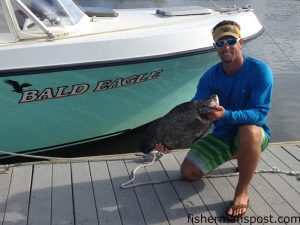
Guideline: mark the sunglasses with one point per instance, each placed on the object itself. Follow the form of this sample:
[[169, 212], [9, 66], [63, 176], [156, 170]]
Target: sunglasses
[[230, 42]]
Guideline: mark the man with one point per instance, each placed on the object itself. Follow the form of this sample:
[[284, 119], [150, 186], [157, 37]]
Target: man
[[244, 88]]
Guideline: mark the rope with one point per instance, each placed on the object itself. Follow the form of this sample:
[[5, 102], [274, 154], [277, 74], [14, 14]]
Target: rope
[[152, 157], [33, 156], [271, 170], [5, 168], [155, 155], [286, 55]]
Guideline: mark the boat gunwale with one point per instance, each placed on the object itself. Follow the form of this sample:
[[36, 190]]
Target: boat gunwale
[[99, 64]]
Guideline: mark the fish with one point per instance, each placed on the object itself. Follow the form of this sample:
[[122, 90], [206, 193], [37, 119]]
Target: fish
[[180, 127]]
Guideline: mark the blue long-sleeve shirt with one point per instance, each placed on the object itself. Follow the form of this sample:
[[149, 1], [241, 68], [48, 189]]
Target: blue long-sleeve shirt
[[245, 95]]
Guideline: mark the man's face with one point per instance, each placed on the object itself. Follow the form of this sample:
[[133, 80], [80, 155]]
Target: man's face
[[228, 48]]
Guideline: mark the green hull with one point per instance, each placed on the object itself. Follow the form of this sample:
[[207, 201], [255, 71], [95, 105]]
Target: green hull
[[64, 107]]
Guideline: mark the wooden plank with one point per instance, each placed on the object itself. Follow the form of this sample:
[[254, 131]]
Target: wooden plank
[[270, 195], [62, 200], [168, 197], [4, 188], [225, 189], [293, 150], [128, 205], [273, 161], [286, 158], [211, 198], [40, 199], [84, 201], [18, 197], [281, 186], [186, 191], [148, 200], [257, 203], [108, 212]]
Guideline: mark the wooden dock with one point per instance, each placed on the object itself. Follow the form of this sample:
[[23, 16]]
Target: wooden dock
[[89, 193]]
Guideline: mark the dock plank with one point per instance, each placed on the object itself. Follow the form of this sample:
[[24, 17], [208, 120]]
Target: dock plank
[[282, 187], [4, 188], [84, 201], [167, 195], [293, 150], [128, 204], [270, 194], [258, 205], [18, 197], [147, 197], [90, 192], [211, 198], [290, 161], [225, 189], [188, 195], [62, 195], [107, 208], [40, 198], [270, 159]]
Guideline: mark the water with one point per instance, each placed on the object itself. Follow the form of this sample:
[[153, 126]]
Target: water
[[279, 46]]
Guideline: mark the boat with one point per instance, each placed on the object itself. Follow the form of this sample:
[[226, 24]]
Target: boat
[[71, 75]]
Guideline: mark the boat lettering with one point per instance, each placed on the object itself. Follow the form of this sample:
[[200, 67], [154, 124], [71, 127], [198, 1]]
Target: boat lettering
[[48, 93], [79, 89], [61, 92], [120, 82]]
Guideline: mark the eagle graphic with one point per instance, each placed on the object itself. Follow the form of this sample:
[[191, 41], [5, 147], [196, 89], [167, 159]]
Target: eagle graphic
[[17, 87]]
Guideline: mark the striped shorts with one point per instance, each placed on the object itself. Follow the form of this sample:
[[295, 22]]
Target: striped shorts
[[210, 152]]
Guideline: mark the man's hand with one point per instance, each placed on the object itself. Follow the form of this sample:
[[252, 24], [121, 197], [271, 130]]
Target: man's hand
[[161, 148], [217, 114]]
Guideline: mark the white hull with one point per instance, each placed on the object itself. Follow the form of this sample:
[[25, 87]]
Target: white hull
[[134, 34], [71, 85]]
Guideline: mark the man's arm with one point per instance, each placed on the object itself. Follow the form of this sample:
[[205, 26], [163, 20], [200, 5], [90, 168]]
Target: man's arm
[[203, 88], [260, 101]]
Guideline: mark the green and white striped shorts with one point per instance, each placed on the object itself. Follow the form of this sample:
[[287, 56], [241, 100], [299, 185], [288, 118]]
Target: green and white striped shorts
[[210, 152]]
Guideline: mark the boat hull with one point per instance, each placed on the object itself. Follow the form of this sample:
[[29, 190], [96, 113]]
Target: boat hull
[[70, 106]]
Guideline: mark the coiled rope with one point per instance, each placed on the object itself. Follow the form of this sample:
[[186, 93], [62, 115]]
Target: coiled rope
[[155, 155]]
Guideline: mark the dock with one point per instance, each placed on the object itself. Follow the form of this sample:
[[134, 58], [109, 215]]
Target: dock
[[89, 192]]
